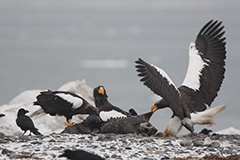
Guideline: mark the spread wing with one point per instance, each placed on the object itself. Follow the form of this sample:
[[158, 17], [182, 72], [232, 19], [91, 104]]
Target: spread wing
[[58, 102], [159, 82], [206, 67]]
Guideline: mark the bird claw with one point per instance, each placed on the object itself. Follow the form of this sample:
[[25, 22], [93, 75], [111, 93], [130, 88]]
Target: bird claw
[[68, 124]]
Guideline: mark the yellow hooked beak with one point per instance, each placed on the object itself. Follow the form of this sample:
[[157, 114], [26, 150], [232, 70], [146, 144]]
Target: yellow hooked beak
[[101, 91], [154, 108]]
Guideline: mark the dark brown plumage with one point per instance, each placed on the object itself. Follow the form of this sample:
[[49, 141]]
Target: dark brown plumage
[[106, 109], [64, 103]]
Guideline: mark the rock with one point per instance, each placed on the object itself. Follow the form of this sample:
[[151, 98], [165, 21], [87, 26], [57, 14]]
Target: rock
[[198, 143], [186, 143], [3, 141], [6, 152], [101, 138], [52, 140], [214, 145], [114, 156], [128, 148], [24, 138], [36, 142]]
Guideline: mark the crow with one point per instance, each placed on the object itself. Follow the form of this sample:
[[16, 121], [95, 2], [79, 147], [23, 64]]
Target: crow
[[80, 155], [25, 123]]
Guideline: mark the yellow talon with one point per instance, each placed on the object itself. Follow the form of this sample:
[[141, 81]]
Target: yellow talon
[[68, 124], [154, 108], [164, 134], [101, 91]]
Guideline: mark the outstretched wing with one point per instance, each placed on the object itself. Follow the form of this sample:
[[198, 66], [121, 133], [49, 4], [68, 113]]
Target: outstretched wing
[[57, 103], [159, 82], [206, 67]]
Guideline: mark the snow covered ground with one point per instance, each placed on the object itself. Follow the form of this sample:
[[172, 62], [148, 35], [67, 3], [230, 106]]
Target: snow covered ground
[[121, 147]]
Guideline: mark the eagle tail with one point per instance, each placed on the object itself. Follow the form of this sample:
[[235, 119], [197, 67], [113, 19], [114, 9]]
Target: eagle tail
[[40, 111], [207, 116]]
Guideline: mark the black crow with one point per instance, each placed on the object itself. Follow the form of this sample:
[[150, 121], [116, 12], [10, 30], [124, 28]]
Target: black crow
[[80, 155], [25, 123]]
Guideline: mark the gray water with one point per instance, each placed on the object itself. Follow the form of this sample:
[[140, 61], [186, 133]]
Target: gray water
[[44, 44]]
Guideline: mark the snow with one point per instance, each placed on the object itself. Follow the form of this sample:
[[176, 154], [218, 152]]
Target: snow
[[45, 123], [229, 131]]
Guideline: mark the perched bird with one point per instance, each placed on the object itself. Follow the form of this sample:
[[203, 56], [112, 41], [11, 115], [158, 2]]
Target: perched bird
[[80, 155], [203, 80], [26, 123], [65, 104], [2, 115], [106, 109], [205, 131]]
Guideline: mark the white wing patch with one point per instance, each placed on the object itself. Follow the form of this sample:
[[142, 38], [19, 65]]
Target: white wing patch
[[164, 74], [106, 115], [195, 66], [77, 102]]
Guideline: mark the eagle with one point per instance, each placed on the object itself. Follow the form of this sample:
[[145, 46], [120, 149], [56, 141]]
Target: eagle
[[203, 80]]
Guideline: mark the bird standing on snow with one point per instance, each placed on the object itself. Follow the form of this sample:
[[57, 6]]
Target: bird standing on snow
[[203, 80], [80, 155], [25, 123], [106, 109], [64, 104]]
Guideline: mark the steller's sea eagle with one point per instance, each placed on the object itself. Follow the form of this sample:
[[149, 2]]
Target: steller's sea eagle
[[203, 80], [106, 109], [65, 104]]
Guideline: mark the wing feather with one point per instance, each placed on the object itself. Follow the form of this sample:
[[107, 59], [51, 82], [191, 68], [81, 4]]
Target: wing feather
[[159, 82], [210, 47]]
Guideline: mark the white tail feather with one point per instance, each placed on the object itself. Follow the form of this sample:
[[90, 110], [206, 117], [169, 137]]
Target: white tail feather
[[207, 116], [37, 112]]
